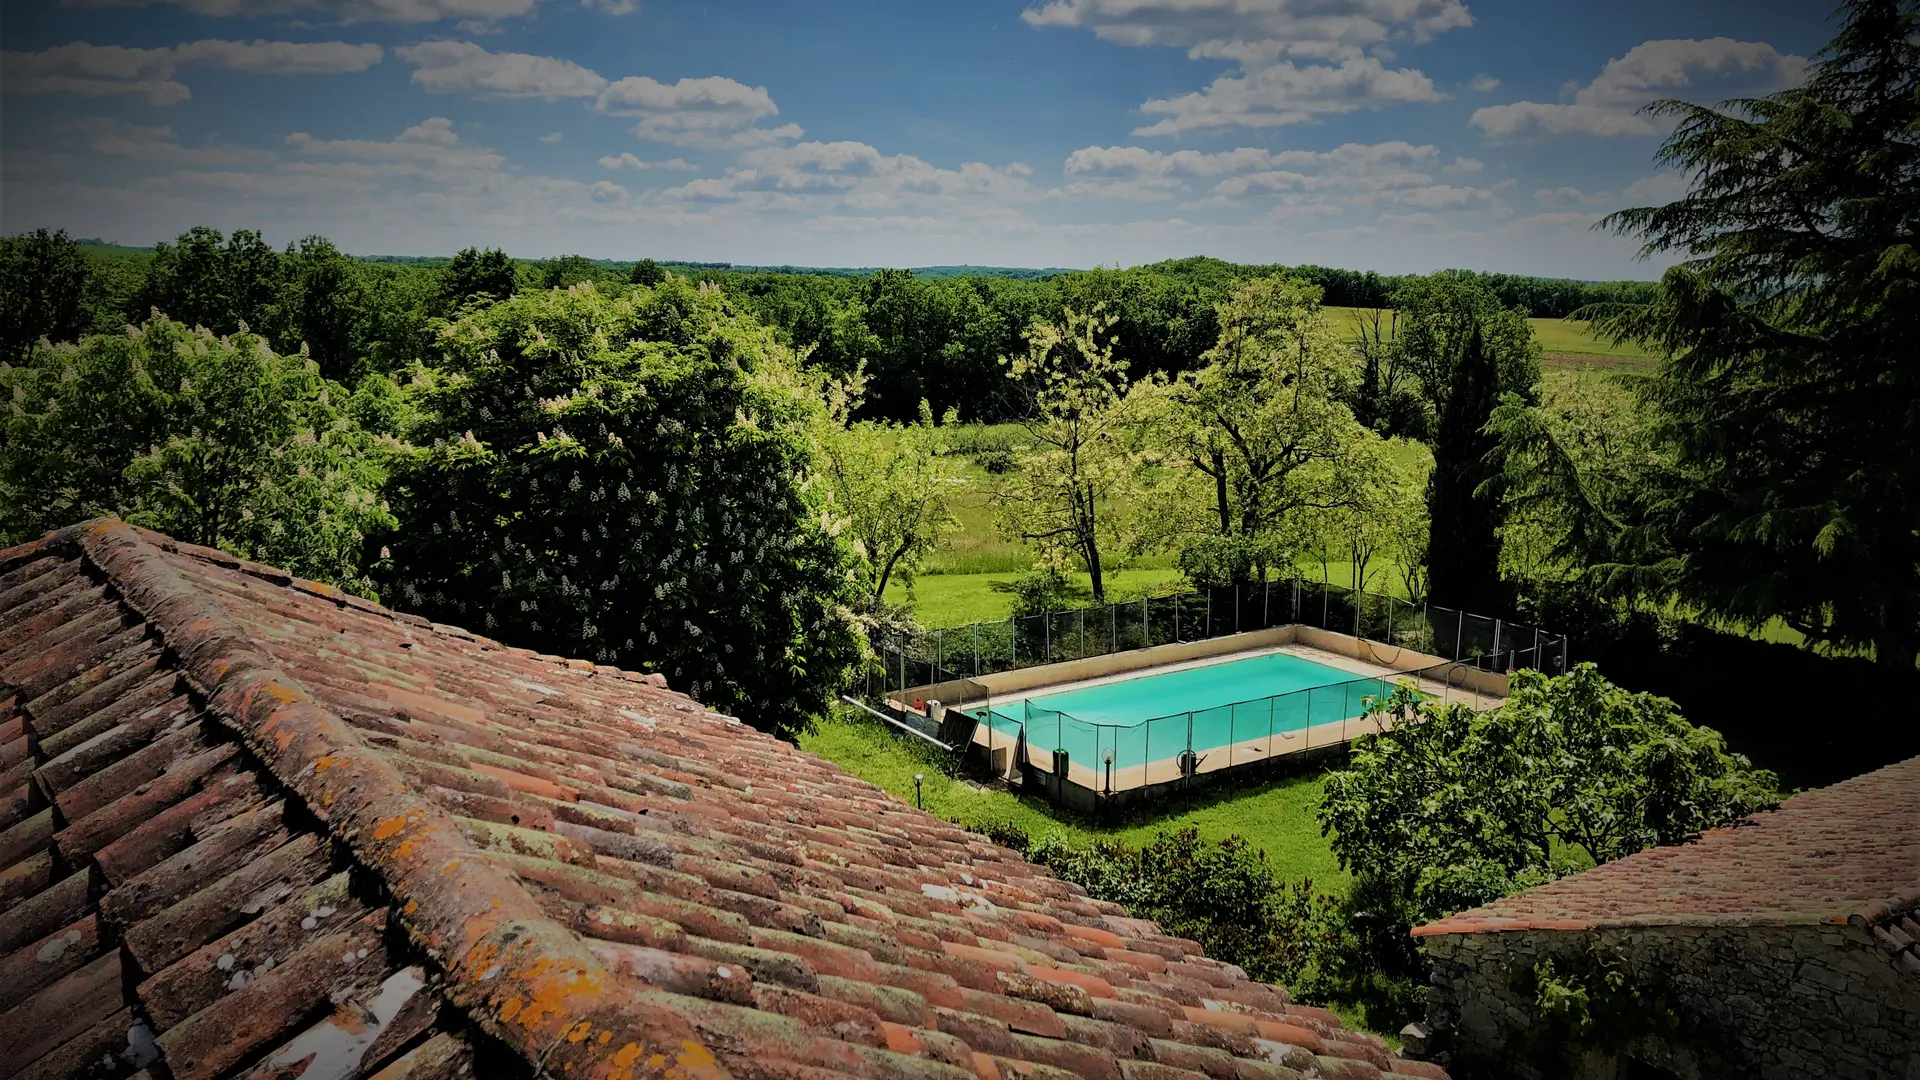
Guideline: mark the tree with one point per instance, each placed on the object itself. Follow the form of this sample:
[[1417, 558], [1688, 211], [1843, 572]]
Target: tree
[[204, 279], [893, 485], [569, 270], [323, 308], [647, 272], [216, 441], [1788, 395], [629, 479], [1575, 469], [1261, 425], [1449, 808], [1061, 495], [43, 284], [1467, 351], [476, 276]]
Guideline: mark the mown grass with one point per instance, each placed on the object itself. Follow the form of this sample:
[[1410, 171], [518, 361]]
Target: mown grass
[[1556, 336], [1277, 816]]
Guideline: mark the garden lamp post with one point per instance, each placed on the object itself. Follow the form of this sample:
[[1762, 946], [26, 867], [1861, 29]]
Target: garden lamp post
[[1107, 757], [917, 777]]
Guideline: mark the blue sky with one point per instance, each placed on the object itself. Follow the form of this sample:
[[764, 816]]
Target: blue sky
[[1397, 135]]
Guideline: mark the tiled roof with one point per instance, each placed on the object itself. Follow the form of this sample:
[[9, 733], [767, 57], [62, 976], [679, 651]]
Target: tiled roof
[[1850, 852], [250, 826]]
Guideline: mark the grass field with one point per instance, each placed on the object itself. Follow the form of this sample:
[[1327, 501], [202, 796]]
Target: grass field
[[1276, 817]]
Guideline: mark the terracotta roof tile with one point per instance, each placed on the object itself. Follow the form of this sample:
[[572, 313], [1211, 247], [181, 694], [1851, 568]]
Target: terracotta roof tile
[[248, 823], [1850, 852]]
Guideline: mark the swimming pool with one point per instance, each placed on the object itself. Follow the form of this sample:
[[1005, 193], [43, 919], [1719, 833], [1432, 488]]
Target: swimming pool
[[1243, 708]]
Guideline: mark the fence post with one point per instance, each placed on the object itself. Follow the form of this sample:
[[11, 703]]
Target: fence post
[[1236, 607], [1356, 618], [939, 656], [1176, 617], [1269, 748], [1538, 662], [1309, 693], [1563, 654], [1496, 645], [1046, 633], [1459, 635], [1113, 634], [1389, 617], [1207, 632], [1296, 598], [1266, 605], [1083, 632]]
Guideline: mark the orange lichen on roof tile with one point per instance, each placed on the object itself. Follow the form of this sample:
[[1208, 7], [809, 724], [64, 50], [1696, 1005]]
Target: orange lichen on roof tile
[[608, 878]]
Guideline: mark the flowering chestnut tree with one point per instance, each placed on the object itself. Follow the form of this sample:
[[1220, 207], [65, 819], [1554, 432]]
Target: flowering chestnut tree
[[628, 478]]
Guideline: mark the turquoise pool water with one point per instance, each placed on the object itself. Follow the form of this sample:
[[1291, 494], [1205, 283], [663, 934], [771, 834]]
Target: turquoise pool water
[[1153, 717]]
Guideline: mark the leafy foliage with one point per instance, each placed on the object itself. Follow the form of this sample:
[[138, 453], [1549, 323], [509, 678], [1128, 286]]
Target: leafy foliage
[[217, 441], [894, 485], [1451, 808], [1061, 497], [1223, 895], [205, 279], [1467, 352], [43, 284], [476, 276], [627, 478], [1788, 398], [1262, 431]]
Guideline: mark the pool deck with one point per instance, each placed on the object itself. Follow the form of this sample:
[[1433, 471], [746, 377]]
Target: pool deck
[[1244, 752]]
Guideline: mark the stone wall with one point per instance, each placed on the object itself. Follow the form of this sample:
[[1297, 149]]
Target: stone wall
[[1777, 1002]]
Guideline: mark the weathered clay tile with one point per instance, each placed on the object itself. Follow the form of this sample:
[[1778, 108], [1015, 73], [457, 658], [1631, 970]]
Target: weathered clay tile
[[298, 828]]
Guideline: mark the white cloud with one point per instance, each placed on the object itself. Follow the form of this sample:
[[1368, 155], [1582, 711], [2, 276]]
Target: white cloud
[[611, 7], [629, 161], [835, 177], [1484, 83], [1464, 166], [279, 57], [1254, 31], [116, 138], [1285, 94], [111, 70], [606, 191], [1571, 196], [712, 111], [1608, 107], [480, 12], [552, 137], [461, 67], [1656, 190]]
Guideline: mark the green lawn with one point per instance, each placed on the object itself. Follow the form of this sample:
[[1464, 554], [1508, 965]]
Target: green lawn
[[1277, 817], [1566, 343], [958, 599]]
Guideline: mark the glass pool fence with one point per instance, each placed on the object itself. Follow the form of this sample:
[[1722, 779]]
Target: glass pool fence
[[903, 661], [1114, 757]]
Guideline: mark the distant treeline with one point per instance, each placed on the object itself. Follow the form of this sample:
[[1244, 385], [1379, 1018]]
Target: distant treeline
[[936, 333]]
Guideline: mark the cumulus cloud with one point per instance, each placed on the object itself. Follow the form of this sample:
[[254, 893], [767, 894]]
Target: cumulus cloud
[[148, 143], [1608, 107], [712, 111], [852, 176], [111, 70], [1283, 93], [1656, 190], [461, 67], [552, 137], [1464, 166], [1571, 196], [476, 12], [1252, 31], [629, 161], [1485, 83]]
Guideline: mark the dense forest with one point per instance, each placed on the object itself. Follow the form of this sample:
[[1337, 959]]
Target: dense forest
[[936, 333]]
